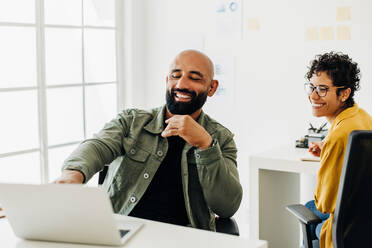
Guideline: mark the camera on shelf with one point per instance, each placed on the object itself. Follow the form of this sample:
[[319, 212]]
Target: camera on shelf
[[314, 135]]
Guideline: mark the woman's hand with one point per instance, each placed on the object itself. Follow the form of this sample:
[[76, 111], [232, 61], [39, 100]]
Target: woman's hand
[[315, 148]]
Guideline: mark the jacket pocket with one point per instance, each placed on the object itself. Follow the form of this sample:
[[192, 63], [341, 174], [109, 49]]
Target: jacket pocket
[[131, 167], [137, 154]]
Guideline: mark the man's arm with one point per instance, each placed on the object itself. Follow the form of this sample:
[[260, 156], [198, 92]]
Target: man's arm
[[90, 157], [219, 177], [70, 176]]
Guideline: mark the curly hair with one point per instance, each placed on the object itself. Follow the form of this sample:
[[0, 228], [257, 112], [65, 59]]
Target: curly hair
[[341, 69]]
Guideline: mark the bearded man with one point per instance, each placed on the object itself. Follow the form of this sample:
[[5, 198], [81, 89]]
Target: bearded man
[[172, 164]]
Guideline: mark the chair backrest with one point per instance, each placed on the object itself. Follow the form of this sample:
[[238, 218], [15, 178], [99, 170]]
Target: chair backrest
[[352, 221]]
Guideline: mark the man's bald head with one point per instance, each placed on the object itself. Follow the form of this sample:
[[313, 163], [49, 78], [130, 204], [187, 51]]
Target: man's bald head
[[195, 61]]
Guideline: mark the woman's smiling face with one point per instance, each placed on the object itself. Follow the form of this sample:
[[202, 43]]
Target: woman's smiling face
[[329, 105]]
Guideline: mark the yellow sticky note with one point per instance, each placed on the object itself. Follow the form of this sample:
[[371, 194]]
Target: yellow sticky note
[[326, 33], [343, 14], [253, 24], [312, 33], [343, 33]]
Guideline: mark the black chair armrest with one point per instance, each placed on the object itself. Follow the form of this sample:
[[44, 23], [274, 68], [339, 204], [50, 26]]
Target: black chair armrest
[[303, 214], [102, 175], [227, 225], [306, 218]]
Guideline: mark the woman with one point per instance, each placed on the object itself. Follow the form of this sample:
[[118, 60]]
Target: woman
[[333, 79]]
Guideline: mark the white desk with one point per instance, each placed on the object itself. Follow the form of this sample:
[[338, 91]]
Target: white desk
[[276, 177], [152, 234]]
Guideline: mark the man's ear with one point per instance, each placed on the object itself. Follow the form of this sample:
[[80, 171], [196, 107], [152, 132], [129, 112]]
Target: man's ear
[[213, 88], [166, 79]]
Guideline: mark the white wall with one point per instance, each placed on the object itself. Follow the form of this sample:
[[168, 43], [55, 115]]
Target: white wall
[[270, 107]]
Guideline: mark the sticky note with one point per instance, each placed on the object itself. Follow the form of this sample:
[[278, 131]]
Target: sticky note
[[343, 33], [343, 14], [253, 24], [312, 33], [326, 33]]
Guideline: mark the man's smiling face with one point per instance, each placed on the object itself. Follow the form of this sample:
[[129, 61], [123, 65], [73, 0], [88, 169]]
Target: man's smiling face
[[189, 82]]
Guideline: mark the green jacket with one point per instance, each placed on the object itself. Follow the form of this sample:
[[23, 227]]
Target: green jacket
[[134, 148]]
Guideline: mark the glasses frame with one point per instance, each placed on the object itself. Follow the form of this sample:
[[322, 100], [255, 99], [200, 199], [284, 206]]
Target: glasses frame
[[316, 88]]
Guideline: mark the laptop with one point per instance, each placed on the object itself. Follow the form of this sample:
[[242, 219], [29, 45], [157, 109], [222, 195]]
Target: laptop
[[64, 213]]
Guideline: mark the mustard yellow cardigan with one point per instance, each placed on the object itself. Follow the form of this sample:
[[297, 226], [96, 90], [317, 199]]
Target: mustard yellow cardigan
[[332, 157]]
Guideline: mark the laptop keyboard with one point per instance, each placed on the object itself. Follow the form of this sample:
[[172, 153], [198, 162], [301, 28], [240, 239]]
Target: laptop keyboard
[[123, 233]]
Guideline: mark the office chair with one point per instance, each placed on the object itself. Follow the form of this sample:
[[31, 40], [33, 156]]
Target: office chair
[[223, 225], [352, 220]]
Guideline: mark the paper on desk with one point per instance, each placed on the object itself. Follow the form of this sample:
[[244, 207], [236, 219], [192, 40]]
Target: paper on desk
[[310, 158]]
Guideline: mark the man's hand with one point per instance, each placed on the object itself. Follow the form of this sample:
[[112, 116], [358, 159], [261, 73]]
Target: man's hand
[[187, 128], [315, 148], [70, 176]]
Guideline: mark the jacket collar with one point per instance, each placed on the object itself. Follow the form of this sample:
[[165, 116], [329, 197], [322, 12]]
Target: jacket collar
[[347, 113], [156, 125]]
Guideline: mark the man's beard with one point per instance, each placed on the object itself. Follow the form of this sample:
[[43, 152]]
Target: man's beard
[[185, 108]]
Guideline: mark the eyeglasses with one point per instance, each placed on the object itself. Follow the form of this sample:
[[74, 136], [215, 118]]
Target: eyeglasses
[[320, 89]]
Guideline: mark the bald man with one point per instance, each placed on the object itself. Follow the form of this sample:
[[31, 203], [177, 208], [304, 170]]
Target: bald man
[[172, 164]]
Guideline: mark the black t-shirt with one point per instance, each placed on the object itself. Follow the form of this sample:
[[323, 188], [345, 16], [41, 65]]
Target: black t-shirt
[[163, 200]]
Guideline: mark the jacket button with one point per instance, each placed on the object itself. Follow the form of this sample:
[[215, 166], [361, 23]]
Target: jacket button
[[197, 155], [132, 199], [132, 151], [146, 175], [159, 153]]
